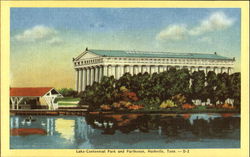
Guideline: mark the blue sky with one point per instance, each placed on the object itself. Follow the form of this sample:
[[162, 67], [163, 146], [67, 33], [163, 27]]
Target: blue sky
[[53, 36]]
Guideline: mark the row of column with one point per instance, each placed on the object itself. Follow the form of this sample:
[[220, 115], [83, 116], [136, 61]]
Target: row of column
[[87, 75]]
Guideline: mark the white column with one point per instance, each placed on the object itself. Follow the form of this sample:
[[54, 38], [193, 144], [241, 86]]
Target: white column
[[165, 68], [88, 76], [96, 73], [116, 71], [109, 70], [229, 71], [211, 69], [113, 71], [126, 69], [92, 75], [139, 69], [84, 79], [77, 80], [17, 105], [144, 69], [206, 70], [80, 80], [131, 70], [148, 69], [215, 70], [100, 73], [169, 67], [157, 69], [161, 69], [224, 69], [135, 69], [121, 69], [201, 69], [105, 70], [193, 69], [152, 69], [196, 69]]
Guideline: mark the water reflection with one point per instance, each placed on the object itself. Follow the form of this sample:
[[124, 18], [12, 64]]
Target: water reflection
[[127, 130], [200, 125]]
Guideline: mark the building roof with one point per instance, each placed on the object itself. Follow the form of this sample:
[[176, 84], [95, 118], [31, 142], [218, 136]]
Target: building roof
[[30, 91], [123, 53]]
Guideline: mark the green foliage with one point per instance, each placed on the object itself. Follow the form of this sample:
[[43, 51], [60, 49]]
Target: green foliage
[[151, 90], [99, 93], [221, 92], [234, 88], [68, 92], [198, 84], [179, 99]]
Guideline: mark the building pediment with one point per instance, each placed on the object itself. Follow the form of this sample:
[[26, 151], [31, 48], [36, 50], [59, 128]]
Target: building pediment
[[86, 55]]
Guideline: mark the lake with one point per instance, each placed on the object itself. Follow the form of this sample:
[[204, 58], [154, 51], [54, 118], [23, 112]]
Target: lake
[[126, 131]]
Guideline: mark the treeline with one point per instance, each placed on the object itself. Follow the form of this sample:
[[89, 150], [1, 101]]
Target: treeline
[[152, 90], [68, 92]]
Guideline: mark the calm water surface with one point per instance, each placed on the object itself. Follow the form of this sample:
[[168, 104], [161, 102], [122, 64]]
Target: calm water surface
[[128, 131]]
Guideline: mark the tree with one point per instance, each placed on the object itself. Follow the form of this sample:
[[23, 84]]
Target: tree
[[198, 84], [68, 92], [221, 91], [234, 90], [211, 86], [100, 93]]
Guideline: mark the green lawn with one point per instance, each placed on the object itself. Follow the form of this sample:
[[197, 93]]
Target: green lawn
[[67, 101]]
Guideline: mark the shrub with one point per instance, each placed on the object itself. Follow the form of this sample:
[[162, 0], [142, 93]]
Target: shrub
[[68, 92], [227, 106], [105, 107], [129, 96], [168, 104], [187, 106], [179, 99], [135, 107], [123, 89], [116, 105]]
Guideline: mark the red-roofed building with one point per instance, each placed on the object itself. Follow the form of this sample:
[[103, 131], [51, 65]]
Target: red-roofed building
[[34, 97]]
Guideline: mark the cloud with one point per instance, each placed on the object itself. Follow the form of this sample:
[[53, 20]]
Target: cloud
[[173, 32], [39, 33], [36, 33], [216, 21]]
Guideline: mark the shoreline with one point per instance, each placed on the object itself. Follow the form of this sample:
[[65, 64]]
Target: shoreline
[[164, 112], [83, 112]]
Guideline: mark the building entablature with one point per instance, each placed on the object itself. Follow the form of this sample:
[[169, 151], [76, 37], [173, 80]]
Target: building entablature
[[151, 61]]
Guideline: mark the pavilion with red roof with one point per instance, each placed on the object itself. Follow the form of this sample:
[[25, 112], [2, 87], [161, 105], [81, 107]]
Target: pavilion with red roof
[[42, 96]]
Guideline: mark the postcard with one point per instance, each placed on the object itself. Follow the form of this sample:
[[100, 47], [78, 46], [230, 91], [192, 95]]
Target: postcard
[[141, 78]]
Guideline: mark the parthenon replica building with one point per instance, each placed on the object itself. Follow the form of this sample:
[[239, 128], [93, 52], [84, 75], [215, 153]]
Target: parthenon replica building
[[92, 64]]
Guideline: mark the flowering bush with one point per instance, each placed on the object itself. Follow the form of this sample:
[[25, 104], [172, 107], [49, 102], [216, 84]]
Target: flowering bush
[[123, 89], [116, 105], [187, 106], [135, 107], [129, 96], [105, 107], [168, 104], [227, 106]]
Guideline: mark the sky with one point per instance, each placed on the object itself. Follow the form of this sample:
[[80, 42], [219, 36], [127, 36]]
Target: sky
[[44, 40]]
